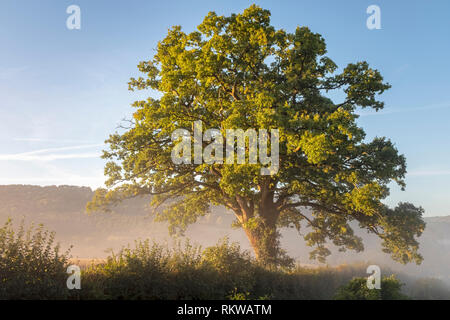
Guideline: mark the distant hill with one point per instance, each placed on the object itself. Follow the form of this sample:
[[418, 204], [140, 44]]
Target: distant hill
[[62, 209]]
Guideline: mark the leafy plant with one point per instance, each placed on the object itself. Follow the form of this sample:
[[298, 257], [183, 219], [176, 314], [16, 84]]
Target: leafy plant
[[31, 265], [357, 289]]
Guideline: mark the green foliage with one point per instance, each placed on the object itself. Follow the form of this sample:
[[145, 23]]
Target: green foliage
[[238, 71], [227, 258], [152, 271], [223, 271], [31, 265], [357, 290]]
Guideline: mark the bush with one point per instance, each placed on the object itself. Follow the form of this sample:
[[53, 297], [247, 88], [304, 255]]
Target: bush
[[357, 289], [152, 271], [142, 272], [31, 265], [223, 271]]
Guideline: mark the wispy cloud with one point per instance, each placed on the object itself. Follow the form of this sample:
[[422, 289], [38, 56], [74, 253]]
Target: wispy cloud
[[49, 154], [52, 140]]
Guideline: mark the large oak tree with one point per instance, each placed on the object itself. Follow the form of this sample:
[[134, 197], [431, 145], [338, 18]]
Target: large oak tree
[[241, 72]]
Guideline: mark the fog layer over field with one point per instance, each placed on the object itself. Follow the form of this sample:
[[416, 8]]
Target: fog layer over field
[[62, 209]]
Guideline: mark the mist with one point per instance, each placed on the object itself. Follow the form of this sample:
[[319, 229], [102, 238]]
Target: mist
[[94, 236]]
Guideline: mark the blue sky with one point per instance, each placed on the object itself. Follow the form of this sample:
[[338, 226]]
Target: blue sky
[[62, 92]]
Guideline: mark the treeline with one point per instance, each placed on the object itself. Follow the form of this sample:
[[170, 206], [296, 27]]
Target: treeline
[[62, 208], [23, 199]]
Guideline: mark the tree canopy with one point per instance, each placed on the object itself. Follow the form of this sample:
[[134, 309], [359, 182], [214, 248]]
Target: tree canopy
[[239, 71]]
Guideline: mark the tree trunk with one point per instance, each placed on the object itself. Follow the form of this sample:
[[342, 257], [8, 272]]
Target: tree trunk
[[260, 225], [263, 236], [264, 241]]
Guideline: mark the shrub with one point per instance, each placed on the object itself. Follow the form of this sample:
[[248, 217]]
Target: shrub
[[224, 271], [31, 265], [147, 271], [357, 289]]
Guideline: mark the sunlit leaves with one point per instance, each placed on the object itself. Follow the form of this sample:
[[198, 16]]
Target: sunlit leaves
[[239, 72]]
